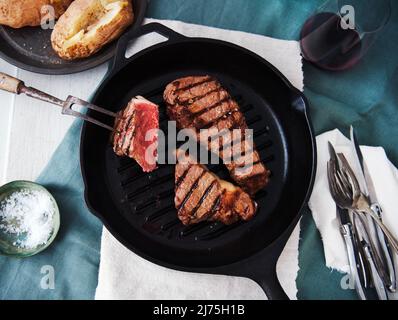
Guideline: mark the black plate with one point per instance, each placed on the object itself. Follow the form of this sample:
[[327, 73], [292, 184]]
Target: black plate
[[30, 48], [138, 208]]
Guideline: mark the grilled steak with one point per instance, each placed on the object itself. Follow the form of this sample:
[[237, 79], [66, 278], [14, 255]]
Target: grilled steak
[[132, 125], [200, 195], [201, 102]]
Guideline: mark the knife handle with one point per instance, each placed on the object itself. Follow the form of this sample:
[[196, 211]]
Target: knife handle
[[364, 268], [386, 250], [377, 281], [346, 231]]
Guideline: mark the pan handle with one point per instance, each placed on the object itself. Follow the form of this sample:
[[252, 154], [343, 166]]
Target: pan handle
[[154, 27], [261, 267], [271, 286]]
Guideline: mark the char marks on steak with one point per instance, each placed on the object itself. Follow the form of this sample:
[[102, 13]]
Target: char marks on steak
[[200, 195], [139, 118], [200, 102]]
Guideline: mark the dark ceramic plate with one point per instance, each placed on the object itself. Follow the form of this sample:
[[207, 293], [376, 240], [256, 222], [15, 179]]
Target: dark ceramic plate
[[30, 48]]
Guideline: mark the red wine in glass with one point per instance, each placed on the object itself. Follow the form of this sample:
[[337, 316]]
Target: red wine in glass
[[327, 45]]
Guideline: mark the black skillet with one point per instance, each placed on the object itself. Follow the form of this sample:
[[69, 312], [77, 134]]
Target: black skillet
[[30, 48], [138, 208]]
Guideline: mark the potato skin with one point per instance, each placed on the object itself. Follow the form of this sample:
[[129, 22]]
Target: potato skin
[[22, 13], [103, 35]]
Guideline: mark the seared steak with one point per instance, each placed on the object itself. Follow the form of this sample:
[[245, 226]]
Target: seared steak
[[139, 118], [202, 103], [200, 195]]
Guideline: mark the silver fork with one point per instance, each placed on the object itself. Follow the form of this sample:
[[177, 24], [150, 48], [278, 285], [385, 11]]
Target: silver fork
[[341, 188], [347, 194], [13, 85]]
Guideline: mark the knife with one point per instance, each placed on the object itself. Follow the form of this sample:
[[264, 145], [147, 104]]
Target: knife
[[346, 232], [364, 240], [363, 265], [377, 281], [368, 189]]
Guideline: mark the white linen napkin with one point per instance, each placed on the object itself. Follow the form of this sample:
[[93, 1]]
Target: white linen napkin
[[385, 180], [124, 275]]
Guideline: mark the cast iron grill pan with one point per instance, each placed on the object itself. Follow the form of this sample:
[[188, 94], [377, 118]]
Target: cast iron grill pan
[[138, 208], [148, 199]]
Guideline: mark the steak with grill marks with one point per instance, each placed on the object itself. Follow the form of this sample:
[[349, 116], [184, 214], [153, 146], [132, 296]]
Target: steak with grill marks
[[200, 102], [200, 195], [133, 136]]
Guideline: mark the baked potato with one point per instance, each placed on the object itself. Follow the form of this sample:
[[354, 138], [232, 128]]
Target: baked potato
[[88, 25], [22, 13]]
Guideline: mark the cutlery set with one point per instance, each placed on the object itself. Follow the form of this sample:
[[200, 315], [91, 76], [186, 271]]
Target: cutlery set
[[370, 245]]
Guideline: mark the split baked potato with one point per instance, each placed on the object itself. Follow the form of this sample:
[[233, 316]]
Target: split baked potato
[[22, 13], [88, 25]]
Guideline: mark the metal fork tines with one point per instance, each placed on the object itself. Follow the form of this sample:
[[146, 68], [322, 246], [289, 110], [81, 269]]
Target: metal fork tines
[[349, 195], [71, 101], [67, 105], [16, 86], [343, 186], [358, 271]]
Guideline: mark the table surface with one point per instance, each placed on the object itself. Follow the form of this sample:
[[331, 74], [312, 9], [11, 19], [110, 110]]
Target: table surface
[[337, 99], [365, 96], [31, 130]]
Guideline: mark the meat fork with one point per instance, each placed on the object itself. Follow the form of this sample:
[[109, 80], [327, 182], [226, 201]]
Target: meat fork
[[13, 85]]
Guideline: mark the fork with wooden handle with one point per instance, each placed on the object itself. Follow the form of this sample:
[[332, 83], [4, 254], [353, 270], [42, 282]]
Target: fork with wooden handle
[[14, 85]]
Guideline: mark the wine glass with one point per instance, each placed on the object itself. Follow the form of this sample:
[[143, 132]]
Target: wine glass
[[340, 32]]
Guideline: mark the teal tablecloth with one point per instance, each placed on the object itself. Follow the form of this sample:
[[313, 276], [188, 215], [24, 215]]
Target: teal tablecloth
[[365, 96]]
